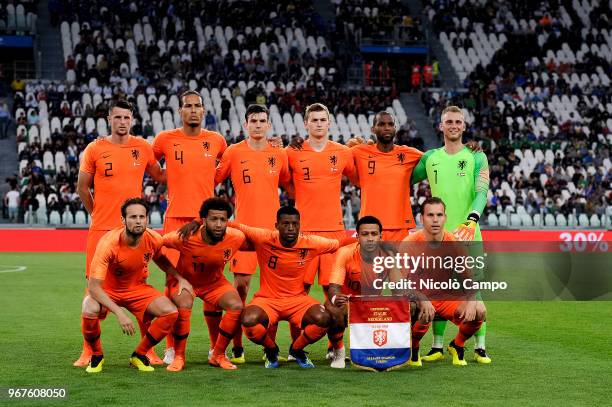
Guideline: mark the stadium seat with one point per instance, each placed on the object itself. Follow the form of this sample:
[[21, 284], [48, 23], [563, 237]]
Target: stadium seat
[[549, 220], [156, 218], [594, 221], [55, 218], [80, 218]]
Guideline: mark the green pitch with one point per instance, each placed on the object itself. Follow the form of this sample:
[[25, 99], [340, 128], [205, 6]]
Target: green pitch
[[544, 353]]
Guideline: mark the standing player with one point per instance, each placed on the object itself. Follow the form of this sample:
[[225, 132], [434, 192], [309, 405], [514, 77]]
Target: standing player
[[459, 176], [119, 271], [317, 169], [256, 170], [202, 261], [461, 308], [284, 256], [113, 167], [191, 155], [384, 172]]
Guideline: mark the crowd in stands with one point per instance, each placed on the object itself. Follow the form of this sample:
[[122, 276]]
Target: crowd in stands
[[542, 102], [375, 20], [545, 130]]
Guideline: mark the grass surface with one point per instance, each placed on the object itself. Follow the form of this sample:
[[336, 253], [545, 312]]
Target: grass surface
[[544, 353]]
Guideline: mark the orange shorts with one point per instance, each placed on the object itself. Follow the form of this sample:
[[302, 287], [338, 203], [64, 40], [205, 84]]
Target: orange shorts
[[323, 263], [290, 309], [136, 299], [447, 309], [170, 225], [211, 294], [93, 237], [244, 263], [394, 235]]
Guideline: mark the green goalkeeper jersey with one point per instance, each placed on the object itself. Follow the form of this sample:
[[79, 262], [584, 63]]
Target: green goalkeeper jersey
[[461, 180]]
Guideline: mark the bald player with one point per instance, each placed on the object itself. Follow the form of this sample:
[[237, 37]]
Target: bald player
[[191, 154], [119, 270], [113, 167], [384, 171]]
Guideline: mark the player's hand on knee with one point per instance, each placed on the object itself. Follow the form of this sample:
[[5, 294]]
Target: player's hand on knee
[[467, 311], [339, 300], [184, 285], [127, 326], [426, 311]]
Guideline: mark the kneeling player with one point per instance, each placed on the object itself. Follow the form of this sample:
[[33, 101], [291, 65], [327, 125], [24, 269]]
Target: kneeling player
[[202, 261], [459, 307], [119, 270], [284, 256], [353, 274]]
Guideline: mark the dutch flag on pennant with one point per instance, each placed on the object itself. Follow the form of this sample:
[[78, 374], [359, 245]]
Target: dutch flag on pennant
[[379, 332]]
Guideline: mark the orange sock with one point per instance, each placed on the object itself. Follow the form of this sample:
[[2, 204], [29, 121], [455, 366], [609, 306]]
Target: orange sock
[[90, 326], [230, 323], [336, 339], [238, 335], [295, 330], [272, 331], [418, 331], [212, 316], [180, 331], [311, 334], [259, 335], [466, 331], [160, 327]]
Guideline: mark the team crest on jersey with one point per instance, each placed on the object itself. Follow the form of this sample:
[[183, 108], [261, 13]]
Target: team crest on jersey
[[333, 160], [303, 253], [135, 154], [227, 254], [379, 337], [206, 145], [401, 157], [271, 161], [462, 164], [147, 257]]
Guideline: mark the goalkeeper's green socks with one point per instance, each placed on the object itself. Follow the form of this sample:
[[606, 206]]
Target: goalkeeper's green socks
[[479, 336], [439, 326]]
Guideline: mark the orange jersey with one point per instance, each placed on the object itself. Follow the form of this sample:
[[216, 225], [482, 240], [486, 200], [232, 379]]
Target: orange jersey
[[255, 176], [118, 170], [123, 267], [203, 264], [283, 268], [190, 168], [317, 179], [384, 179], [352, 273]]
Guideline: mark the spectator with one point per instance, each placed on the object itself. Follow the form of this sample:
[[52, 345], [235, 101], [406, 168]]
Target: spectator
[[12, 200]]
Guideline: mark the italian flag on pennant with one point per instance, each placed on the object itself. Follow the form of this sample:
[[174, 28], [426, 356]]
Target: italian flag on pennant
[[379, 332]]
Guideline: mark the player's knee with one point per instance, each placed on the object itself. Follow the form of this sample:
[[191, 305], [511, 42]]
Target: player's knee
[[322, 319], [250, 318], [235, 306], [90, 307], [167, 307], [184, 300]]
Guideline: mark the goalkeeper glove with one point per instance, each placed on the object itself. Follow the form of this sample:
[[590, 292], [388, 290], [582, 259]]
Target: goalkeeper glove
[[465, 231]]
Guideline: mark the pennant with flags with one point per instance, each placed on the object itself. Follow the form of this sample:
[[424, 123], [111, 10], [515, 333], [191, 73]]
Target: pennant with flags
[[379, 332]]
